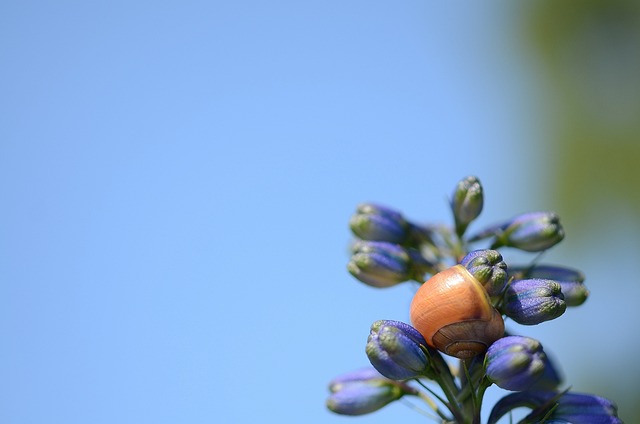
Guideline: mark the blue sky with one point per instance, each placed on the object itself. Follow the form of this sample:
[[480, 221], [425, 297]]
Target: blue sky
[[177, 178]]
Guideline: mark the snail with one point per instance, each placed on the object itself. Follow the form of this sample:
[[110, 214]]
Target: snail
[[453, 312]]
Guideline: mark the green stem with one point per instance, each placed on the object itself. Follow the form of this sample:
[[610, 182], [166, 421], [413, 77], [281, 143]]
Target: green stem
[[454, 243], [444, 378], [435, 395], [484, 385], [450, 394], [431, 402], [473, 385]]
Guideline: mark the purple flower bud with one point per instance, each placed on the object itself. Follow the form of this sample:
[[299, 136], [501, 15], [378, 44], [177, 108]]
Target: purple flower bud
[[547, 272], [360, 375], [488, 268], [570, 280], [568, 407], [362, 392], [550, 379], [586, 408], [515, 362], [531, 232], [466, 203], [379, 223], [575, 293], [380, 264], [397, 350], [530, 302]]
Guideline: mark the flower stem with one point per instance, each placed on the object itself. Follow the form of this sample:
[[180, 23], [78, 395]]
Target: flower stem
[[431, 402]]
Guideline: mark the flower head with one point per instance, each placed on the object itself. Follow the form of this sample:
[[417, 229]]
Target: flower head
[[459, 309], [533, 301]]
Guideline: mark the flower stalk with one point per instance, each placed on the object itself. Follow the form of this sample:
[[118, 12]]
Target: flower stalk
[[465, 295]]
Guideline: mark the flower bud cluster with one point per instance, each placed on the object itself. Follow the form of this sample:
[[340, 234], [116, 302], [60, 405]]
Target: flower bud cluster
[[560, 407], [465, 298]]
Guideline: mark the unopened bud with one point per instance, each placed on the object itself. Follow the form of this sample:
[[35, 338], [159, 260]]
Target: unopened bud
[[397, 350], [488, 268], [533, 301], [570, 280], [515, 362], [381, 264], [531, 232], [466, 202], [379, 223], [363, 391], [553, 407]]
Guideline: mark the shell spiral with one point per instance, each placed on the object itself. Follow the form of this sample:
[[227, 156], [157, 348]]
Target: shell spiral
[[454, 314]]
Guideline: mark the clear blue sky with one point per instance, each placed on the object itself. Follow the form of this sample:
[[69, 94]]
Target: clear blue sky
[[176, 179]]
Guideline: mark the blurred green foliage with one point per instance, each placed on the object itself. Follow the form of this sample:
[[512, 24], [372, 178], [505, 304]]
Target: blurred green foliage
[[590, 53]]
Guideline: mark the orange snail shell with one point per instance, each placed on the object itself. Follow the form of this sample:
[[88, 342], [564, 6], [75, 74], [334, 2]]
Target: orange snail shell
[[454, 314]]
